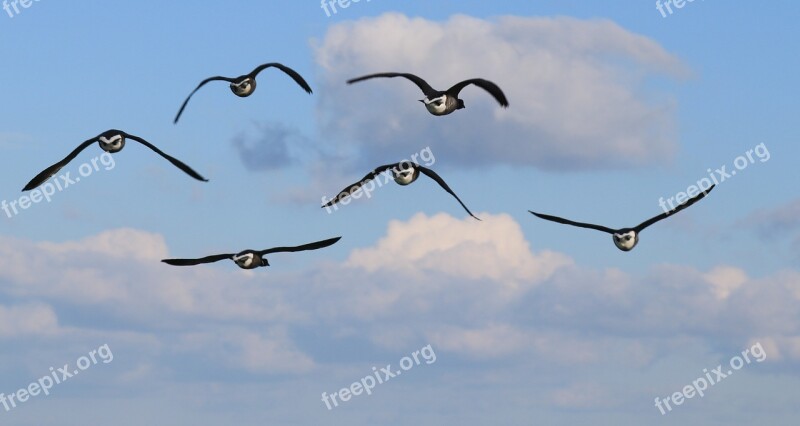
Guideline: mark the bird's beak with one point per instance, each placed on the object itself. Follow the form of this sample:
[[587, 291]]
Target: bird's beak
[[422, 100]]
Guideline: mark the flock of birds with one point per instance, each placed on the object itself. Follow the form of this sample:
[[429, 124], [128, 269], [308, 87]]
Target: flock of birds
[[437, 102]]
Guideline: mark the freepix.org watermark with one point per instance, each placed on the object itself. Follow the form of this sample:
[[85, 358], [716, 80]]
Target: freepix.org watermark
[[426, 155], [330, 5], [56, 377], [60, 183], [711, 378], [379, 377], [666, 6], [12, 7], [717, 176]]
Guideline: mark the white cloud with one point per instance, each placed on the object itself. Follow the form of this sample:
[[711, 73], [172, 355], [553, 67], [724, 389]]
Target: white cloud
[[266, 352], [492, 341], [24, 320], [120, 270], [726, 279], [119, 243], [575, 89], [494, 249]]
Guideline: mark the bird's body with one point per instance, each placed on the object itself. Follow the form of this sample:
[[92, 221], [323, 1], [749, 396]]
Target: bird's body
[[439, 102], [442, 105], [627, 238], [110, 141], [251, 259], [403, 173], [244, 85]]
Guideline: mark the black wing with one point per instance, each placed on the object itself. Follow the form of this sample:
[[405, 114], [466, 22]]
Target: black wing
[[202, 83], [569, 222], [486, 85], [431, 174], [310, 246], [292, 73], [192, 262], [50, 171], [350, 189], [424, 86], [662, 216], [172, 160]]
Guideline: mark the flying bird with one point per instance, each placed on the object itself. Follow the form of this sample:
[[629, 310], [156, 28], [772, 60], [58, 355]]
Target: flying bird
[[251, 259], [443, 102], [626, 238], [244, 85], [404, 173], [111, 141]]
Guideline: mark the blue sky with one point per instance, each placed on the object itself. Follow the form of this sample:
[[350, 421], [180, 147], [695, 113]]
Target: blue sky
[[612, 107]]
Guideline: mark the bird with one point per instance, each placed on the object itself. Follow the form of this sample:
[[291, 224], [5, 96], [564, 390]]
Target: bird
[[244, 85], [627, 238], [443, 102], [111, 141], [404, 173], [251, 259]]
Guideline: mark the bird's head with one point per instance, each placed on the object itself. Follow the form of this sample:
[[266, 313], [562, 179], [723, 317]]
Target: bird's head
[[243, 87], [112, 142], [405, 173], [626, 239], [460, 104]]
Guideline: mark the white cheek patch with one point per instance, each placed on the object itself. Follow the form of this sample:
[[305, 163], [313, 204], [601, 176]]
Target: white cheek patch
[[242, 86], [437, 104], [435, 101], [245, 260], [114, 140]]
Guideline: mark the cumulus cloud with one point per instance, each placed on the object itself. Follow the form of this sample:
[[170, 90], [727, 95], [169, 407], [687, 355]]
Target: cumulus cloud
[[474, 290], [495, 250], [577, 90], [120, 271]]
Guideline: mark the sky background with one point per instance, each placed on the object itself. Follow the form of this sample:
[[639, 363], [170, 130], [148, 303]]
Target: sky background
[[612, 108]]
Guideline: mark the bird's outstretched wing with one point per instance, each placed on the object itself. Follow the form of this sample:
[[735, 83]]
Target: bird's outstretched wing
[[304, 247], [50, 171], [486, 85], [352, 188], [422, 84], [665, 215], [192, 262], [202, 83], [290, 72], [172, 160], [431, 174], [569, 222]]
